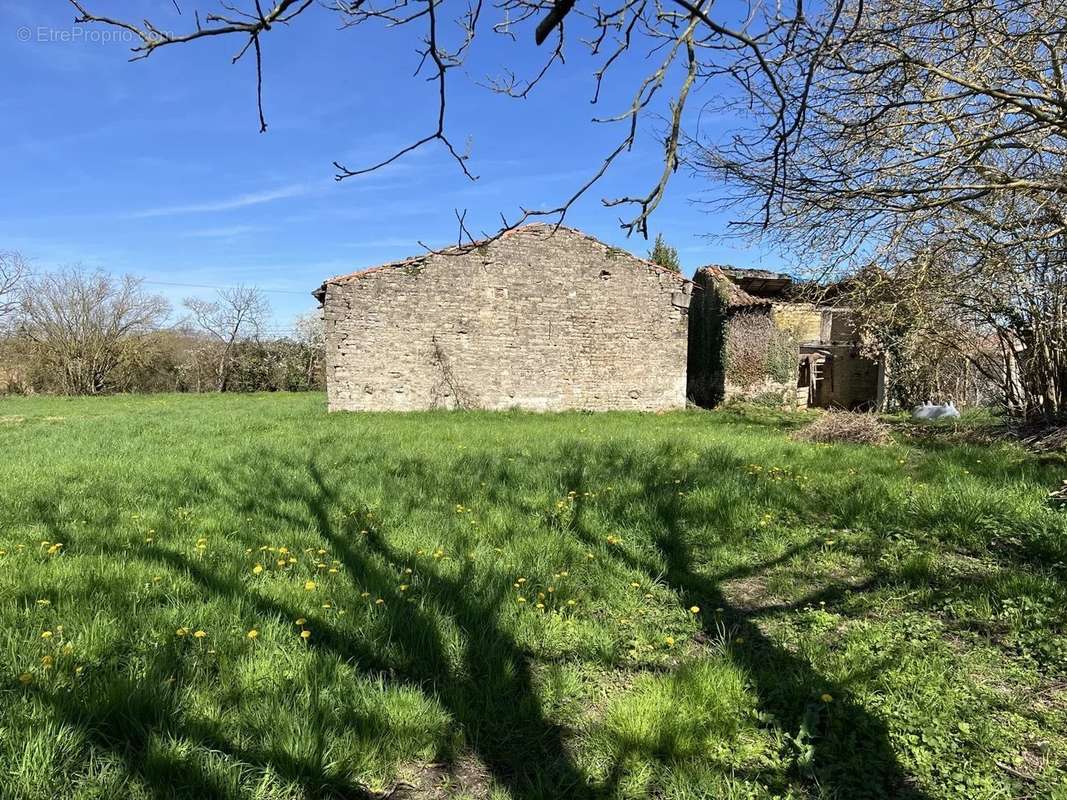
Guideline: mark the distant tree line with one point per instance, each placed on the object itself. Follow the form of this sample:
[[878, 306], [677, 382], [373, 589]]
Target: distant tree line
[[72, 331]]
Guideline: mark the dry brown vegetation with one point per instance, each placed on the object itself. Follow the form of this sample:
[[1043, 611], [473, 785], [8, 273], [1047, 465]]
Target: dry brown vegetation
[[843, 427]]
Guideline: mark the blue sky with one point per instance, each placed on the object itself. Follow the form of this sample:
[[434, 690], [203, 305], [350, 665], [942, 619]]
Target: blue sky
[[157, 168]]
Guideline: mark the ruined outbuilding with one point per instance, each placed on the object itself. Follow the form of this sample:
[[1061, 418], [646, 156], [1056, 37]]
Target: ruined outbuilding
[[832, 371], [540, 318]]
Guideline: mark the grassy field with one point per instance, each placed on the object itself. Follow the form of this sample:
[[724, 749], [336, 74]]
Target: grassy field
[[215, 597]]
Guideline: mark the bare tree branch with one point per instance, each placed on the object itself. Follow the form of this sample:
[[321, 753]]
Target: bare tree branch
[[13, 271], [715, 48]]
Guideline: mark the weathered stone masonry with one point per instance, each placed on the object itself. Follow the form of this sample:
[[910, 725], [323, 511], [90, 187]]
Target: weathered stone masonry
[[536, 319]]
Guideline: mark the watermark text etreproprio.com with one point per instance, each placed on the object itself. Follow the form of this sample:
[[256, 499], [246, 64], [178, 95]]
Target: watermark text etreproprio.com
[[75, 34]]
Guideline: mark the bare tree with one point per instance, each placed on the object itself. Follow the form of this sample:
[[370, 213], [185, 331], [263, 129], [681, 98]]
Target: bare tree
[[13, 270], [310, 334], [234, 315], [916, 115], [685, 45], [83, 326], [931, 146]]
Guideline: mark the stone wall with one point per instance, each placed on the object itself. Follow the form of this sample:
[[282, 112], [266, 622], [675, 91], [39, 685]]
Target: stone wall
[[850, 380], [535, 319], [803, 320]]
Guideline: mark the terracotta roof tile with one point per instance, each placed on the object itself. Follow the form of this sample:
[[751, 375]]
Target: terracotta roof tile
[[736, 297]]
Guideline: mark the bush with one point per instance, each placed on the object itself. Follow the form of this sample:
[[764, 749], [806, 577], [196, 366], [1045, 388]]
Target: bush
[[837, 427]]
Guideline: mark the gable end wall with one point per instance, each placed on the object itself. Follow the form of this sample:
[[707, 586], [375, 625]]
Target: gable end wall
[[533, 320]]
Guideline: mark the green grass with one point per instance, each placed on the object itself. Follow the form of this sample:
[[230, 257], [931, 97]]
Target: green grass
[[519, 606]]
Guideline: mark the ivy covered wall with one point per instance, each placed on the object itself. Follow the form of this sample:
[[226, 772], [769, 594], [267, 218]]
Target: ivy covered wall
[[736, 348]]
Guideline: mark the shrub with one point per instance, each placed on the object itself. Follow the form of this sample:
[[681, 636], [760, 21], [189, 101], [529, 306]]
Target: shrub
[[836, 427]]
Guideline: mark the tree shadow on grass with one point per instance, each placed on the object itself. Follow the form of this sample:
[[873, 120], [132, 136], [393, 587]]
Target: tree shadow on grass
[[479, 673], [846, 754], [850, 753], [487, 686]]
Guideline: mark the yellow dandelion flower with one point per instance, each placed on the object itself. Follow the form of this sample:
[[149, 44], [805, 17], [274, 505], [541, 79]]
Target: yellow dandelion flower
[[181, 632], [520, 599], [826, 698], [379, 602], [252, 634], [46, 634], [305, 635], [694, 609], [540, 605], [309, 586], [25, 678], [44, 602], [258, 568], [669, 640], [199, 635], [403, 587], [47, 662], [572, 603]]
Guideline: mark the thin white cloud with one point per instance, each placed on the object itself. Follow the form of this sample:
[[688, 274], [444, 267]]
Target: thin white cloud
[[225, 232], [228, 204]]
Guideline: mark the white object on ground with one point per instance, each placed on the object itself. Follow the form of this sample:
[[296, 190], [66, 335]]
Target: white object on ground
[[932, 411]]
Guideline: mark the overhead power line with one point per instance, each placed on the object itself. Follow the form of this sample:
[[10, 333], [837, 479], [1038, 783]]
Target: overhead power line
[[221, 288], [306, 293]]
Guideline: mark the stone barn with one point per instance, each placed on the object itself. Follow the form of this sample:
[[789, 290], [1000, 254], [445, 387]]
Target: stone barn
[[540, 318]]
